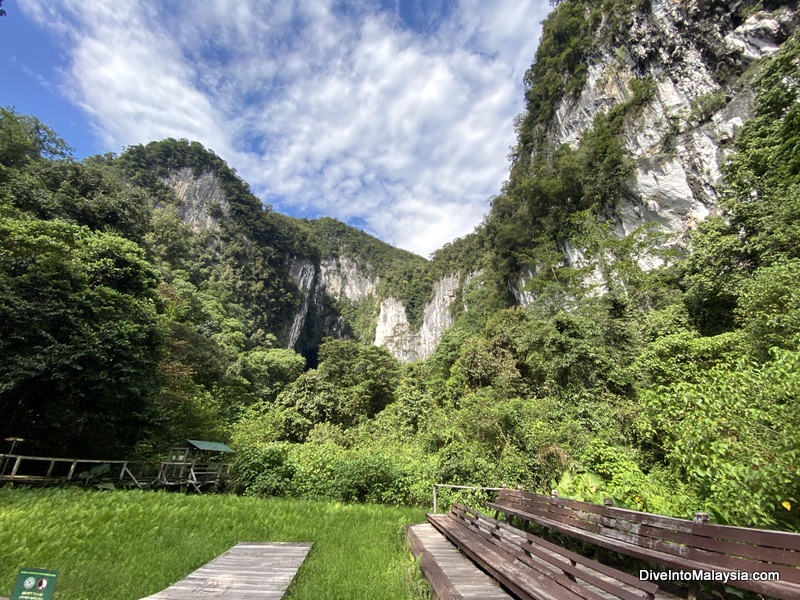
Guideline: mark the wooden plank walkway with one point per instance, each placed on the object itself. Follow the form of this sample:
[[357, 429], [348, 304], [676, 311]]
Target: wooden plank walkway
[[451, 574], [248, 571]]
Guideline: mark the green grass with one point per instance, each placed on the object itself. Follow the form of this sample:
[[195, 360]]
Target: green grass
[[124, 545]]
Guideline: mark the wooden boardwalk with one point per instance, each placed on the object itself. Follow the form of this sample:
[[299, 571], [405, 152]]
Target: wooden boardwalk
[[248, 571], [451, 574]]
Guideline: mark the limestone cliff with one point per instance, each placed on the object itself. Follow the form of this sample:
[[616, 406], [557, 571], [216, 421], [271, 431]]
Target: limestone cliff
[[339, 292], [341, 279], [695, 56], [699, 57], [403, 341], [199, 196]]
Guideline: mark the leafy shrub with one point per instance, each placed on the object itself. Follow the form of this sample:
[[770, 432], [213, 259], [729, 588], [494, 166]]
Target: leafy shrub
[[321, 468], [769, 307], [264, 470], [731, 435], [462, 463], [316, 470], [613, 472], [687, 356], [706, 106], [368, 478]]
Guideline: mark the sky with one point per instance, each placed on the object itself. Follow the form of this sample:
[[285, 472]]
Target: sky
[[395, 117]]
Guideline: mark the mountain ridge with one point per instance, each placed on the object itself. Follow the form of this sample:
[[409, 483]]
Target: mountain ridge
[[666, 112], [345, 283]]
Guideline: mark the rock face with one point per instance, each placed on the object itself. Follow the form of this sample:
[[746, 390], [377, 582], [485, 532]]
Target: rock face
[[396, 334], [394, 331], [341, 277], [197, 195], [322, 283], [679, 141], [681, 138], [303, 272]]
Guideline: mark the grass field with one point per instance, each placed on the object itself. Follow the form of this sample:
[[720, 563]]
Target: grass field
[[124, 545]]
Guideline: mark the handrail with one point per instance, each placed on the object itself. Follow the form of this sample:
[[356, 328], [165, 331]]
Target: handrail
[[125, 466], [80, 460], [460, 487]]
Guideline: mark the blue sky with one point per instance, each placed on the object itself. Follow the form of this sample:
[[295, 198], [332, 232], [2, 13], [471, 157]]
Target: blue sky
[[395, 116]]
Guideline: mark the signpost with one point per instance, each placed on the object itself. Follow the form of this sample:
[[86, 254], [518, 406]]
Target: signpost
[[34, 584]]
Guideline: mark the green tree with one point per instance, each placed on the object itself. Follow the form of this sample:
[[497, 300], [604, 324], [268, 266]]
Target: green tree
[[79, 337], [269, 370], [24, 139], [353, 383]]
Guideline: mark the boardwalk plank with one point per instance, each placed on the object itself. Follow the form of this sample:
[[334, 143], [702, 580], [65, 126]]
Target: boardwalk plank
[[248, 571]]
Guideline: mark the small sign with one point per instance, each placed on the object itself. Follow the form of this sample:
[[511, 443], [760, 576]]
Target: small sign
[[34, 584]]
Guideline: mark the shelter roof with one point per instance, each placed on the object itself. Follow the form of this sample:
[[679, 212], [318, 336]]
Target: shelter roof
[[209, 446]]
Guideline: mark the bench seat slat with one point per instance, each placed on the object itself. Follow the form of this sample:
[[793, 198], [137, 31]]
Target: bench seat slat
[[535, 545], [712, 560], [761, 554], [525, 545], [761, 537], [569, 555], [677, 538], [522, 552], [599, 567], [512, 552], [661, 552], [719, 552], [597, 582], [494, 561]]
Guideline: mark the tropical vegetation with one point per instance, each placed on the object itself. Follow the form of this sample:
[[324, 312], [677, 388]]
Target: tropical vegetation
[[662, 375]]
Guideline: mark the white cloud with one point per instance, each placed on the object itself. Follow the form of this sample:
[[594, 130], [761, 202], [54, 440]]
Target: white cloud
[[347, 115]]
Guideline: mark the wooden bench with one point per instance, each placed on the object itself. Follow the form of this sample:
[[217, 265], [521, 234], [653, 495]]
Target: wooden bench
[[451, 575], [532, 568], [678, 544]]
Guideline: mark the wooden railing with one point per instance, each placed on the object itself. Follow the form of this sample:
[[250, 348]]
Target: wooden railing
[[45, 469]]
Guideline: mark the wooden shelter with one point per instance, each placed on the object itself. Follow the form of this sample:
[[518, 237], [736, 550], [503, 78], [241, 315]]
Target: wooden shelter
[[197, 465]]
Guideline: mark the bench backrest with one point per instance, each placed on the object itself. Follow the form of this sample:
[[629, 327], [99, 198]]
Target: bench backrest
[[721, 546], [575, 572]]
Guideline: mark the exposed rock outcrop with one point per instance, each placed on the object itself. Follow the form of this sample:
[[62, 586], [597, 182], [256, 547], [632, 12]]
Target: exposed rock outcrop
[[342, 277], [394, 331], [697, 55], [682, 137], [303, 272], [396, 334], [197, 195]]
